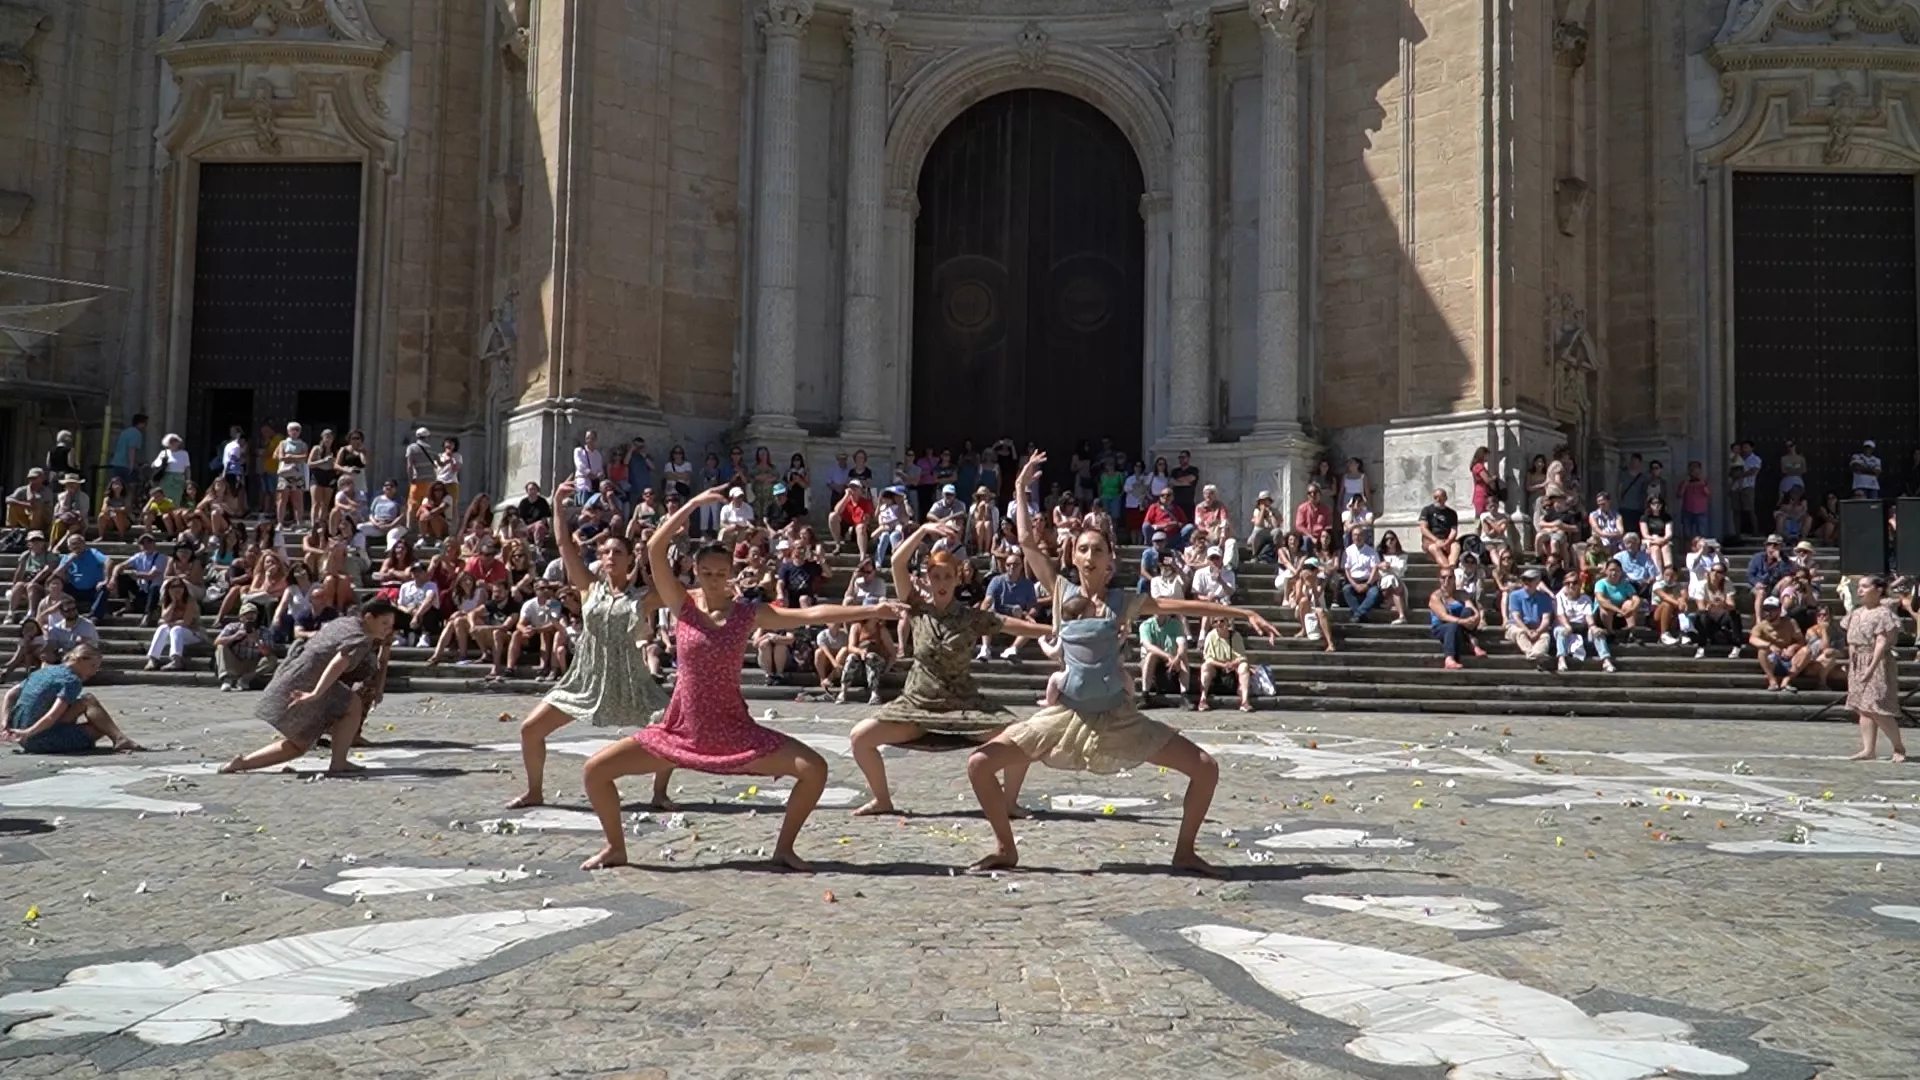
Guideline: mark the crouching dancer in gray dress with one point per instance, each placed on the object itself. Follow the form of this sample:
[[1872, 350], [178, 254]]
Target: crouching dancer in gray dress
[[325, 687]]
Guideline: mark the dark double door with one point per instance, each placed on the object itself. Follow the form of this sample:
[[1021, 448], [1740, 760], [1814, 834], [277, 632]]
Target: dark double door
[[1029, 268], [1825, 323], [276, 286]]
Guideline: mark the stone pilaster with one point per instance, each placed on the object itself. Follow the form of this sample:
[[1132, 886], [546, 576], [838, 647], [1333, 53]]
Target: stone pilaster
[[777, 223], [1277, 328], [1190, 386], [863, 324]]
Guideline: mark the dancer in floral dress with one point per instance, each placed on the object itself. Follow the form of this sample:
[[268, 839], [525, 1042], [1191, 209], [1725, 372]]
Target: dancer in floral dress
[[608, 683], [940, 709], [1108, 735], [1873, 684], [706, 726]]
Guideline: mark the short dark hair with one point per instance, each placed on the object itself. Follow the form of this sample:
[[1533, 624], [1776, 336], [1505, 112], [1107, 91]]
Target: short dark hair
[[708, 551], [377, 607], [138, 419]]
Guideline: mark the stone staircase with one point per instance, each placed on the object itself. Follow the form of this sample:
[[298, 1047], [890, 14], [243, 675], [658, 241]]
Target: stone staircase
[[1378, 666]]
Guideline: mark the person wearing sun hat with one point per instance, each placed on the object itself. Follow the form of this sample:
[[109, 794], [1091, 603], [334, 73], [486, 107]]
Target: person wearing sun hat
[[70, 508], [1264, 527]]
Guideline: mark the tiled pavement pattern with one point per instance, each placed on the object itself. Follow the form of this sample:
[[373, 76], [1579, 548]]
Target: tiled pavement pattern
[[884, 965]]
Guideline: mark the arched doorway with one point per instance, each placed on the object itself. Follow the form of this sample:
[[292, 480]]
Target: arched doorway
[[1029, 278]]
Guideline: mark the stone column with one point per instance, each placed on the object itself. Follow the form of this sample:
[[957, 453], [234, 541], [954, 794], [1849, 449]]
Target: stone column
[[1190, 389], [862, 322], [777, 222], [1277, 325]]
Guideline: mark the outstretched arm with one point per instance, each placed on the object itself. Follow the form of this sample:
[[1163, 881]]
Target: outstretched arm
[[1206, 609], [1037, 561], [768, 617]]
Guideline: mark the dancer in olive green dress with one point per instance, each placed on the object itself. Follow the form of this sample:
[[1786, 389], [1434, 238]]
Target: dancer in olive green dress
[[1108, 735], [940, 709]]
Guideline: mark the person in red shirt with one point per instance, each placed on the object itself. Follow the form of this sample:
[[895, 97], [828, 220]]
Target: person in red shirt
[[486, 568], [1167, 517], [853, 511], [1314, 522]]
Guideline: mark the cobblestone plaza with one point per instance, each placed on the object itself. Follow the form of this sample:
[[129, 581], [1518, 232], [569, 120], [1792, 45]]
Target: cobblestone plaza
[[1602, 898]]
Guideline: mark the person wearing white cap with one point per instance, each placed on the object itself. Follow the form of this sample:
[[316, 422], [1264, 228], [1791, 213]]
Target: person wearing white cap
[[736, 517], [1214, 580], [422, 465], [946, 508], [853, 510], [1866, 471]]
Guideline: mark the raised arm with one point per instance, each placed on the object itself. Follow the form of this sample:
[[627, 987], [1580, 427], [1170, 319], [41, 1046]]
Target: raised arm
[[902, 563], [577, 573], [1037, 561], [1207, 609], [659, 547]]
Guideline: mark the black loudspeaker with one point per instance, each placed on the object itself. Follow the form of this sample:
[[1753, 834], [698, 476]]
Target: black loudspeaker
[[1906, 532], [1863, 537]]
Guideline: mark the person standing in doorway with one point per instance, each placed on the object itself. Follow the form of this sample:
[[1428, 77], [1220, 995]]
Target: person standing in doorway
[[1865, 466], [130, 454], [1632, 501]]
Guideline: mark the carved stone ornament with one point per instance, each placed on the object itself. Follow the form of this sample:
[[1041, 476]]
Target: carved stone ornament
[[19, 26], [1575, 358], [293, 78], [1288, 18], [1816, 83], [1193, 26], [1570, 44], [784, 18], [1032, 46], [1571, 199], [517, 35], [13, 210]]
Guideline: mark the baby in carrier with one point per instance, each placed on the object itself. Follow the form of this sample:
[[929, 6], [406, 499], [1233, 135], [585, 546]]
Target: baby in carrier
[[1091, 680]]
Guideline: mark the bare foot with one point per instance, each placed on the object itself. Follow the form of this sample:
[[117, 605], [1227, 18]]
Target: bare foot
[[1899, 757], [1194, 864], [527, 798], [658, 802], [1246, 707], [1452, 665], [792, 862], [874, 808], [1017, 812], [607, 858], [345, 768], [997, 861], [127, 746], [1864, 755], [1204, 706], [1479, 652]]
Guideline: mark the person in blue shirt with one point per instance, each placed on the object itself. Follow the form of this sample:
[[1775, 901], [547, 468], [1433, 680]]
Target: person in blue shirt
[[1619, 609], [1150, 560], [129, 451], [1637, 563], [1530, 617], [138, 578], [1769, 567], [52, 713], [84, 569], [1012, 594]]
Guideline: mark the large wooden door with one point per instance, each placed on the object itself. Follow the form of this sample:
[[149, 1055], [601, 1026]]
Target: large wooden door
[[1825, 323], [1029, 278], [276, 285]]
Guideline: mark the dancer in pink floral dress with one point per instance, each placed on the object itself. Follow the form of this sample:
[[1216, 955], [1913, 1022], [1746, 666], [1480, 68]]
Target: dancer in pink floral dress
[[706, 726]]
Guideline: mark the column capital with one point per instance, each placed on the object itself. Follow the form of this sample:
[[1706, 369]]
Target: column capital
[[1285, 19], [869, 28], [1192, 26], [784, 18]]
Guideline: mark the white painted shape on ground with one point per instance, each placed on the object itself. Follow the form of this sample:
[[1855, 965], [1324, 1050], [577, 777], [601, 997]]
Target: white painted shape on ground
[[833, 796], [1898, 911], [284, 982], [1331, 839], [578, 747], [547, 819], [100, 787], [1411, 1011], [1445, 912], [1833, 834], [391, 880], [1094, 804]]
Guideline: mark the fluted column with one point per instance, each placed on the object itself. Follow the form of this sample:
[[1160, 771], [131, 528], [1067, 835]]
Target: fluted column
[[1191, 378], [866, 206], [777, 218], [1277, 326]]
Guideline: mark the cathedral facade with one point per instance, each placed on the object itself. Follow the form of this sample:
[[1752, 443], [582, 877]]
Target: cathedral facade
[[1263, 231]]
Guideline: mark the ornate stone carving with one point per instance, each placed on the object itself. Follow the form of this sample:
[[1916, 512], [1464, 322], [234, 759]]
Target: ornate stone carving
[[1193, 26], [1287, 18], [1575, 360], [869, 29], [1840, 124], [1031, 44], [784, 18], [1571, 198], [19, 26], [13, 210], [1811, 83], [265, 120], [1570, 43], [518, 36]]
